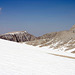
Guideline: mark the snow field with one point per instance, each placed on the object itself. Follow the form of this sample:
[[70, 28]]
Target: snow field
[[22, 59]]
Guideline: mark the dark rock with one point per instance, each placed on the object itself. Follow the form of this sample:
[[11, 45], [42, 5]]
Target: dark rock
[[21, 36]]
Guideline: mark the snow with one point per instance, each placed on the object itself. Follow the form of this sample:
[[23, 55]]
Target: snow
[[22, 59], [62, 47], [17, 32], [55, 44], [25, 31], [71, 50]]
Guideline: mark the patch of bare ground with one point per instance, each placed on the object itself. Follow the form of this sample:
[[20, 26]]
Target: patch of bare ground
[[73, 52], [62, 56]]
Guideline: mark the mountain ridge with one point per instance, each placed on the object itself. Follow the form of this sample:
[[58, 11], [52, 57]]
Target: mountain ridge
[[62, 40], [18, 36]]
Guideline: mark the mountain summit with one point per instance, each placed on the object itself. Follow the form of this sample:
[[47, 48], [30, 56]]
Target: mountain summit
[[19, 36]]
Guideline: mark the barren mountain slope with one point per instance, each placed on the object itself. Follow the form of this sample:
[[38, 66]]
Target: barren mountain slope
[[63, 40], [20, 36]]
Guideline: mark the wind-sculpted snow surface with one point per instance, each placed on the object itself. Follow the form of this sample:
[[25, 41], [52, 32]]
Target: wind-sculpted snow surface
[[22, 59]]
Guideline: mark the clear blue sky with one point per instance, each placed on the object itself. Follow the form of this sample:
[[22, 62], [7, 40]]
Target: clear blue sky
[[36, 16]]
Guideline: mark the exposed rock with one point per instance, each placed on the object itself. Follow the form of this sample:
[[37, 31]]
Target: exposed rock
[[73, 28], [63, 40], [20, 36], [48, 35]]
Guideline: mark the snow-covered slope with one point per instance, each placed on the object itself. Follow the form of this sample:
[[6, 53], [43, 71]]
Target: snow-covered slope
[[22, 59]]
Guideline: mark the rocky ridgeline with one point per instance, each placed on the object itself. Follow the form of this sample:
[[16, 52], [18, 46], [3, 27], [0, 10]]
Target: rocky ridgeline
[[63, 40], [20, 36]]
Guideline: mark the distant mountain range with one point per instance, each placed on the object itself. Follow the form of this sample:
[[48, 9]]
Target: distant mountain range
[[63, 40]]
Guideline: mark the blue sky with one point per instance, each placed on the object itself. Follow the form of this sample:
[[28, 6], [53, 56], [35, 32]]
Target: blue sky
[[36, 16]]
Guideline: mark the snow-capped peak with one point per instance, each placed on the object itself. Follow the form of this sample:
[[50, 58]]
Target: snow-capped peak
[[25, 31], [17, 32]]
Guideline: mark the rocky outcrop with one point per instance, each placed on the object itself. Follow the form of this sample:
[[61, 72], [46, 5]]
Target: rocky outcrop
[[20, 36]]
